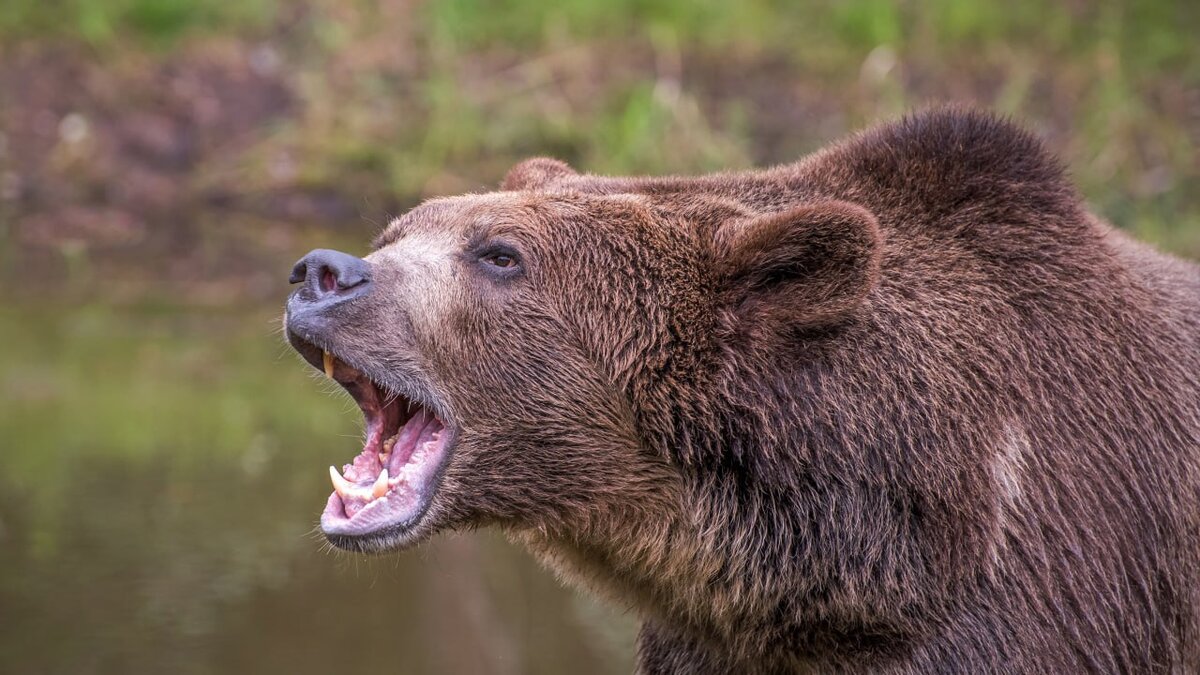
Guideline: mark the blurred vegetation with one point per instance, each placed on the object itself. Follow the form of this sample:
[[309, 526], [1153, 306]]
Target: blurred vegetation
[[379, 104], [113, 23], [162, 162]]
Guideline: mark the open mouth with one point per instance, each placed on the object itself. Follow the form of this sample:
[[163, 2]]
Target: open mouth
[[386, 489]]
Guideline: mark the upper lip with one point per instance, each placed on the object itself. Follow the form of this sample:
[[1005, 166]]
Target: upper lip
[[311, 352], [314, 353]]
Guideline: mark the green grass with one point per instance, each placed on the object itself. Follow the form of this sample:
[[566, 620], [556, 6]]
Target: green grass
[[1154, 34], [117, 23]]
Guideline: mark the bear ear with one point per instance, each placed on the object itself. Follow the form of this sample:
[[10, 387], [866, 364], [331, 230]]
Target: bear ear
[[536, 173], [807, 267]]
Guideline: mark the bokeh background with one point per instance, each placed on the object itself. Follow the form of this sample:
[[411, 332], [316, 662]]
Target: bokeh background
[[162, 164]]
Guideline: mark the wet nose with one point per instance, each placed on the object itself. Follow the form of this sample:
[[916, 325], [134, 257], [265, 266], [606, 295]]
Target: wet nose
[[328, 274]]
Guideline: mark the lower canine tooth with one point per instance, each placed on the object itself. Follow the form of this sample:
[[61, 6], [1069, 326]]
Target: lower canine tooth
[[380, 487], [341, 485], [328, 365]]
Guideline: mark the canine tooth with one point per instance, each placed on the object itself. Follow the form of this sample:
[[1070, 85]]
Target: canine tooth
[[328, 365], [380, 487], [340, 484]]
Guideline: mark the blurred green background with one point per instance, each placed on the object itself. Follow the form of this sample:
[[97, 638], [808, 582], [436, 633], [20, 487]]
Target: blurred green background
[[162, 163]]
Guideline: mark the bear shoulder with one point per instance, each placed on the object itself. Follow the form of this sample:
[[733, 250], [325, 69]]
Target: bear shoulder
[[951, 165], [954, 173]]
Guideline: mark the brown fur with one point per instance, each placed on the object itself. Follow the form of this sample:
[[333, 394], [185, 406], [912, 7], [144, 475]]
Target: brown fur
[[904, 406]]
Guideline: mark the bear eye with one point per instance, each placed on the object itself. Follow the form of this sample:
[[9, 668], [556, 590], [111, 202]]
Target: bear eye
[[502, 259]]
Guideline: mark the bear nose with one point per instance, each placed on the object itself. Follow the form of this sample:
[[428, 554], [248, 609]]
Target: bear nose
[[328, 274]]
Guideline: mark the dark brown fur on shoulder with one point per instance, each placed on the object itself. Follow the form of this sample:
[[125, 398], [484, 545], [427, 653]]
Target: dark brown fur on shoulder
[[903, 406]]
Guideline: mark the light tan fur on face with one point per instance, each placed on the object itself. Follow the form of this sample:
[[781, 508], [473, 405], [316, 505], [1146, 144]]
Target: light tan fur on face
[[423, 264]]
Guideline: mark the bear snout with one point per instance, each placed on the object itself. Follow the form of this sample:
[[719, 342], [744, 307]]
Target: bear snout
[[329, 276], [327, 279]]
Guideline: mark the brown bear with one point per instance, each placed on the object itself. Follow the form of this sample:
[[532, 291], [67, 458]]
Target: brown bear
[[903, 406]]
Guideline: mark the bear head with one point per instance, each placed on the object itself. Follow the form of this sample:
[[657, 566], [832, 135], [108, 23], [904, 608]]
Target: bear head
[[550, 357]]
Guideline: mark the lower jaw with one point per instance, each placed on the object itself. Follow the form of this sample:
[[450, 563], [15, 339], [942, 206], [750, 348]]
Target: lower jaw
[[377, 538], [334, 522], [386, 541], [390, 520]]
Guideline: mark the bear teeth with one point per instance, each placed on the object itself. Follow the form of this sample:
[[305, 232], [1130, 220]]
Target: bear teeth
[[328, 363], [343, 486], [387, 449], [380, 487], [367, 494]]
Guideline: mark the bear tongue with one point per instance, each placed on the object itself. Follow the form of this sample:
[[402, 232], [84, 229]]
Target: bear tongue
[[399, 452], [411, 456]]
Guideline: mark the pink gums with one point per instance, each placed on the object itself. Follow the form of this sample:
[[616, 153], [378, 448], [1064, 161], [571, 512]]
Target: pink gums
[[412, 464]]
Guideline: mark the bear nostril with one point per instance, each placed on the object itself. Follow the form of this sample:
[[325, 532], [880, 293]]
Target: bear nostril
[[327, 273], [299, 272]]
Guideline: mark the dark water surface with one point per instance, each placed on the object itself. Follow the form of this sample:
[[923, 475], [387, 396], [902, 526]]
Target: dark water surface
[[161, 472]]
